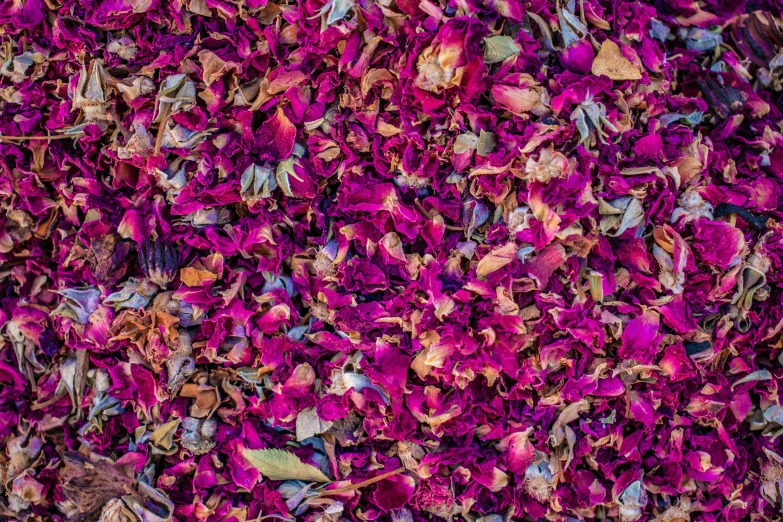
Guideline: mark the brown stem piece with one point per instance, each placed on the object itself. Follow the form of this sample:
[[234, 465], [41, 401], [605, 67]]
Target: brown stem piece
[[164, 121], [46, 138], [353, 487], [40, 405]]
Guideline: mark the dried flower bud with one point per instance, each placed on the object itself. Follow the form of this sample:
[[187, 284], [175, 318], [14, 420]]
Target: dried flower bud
[[123, 47], [723, 99], [578, 53], [550, 165], [578, 57], [177, 93], [632, 501], [772, 482], [199, 434], [91, 96], [258, 182], [758, 37], [134, 294], [693, 207], [159, 261], [108, 257], [590, 118], [115, 510], [538, 481]]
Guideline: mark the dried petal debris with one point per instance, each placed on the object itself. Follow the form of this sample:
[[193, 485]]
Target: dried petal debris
[[445, 259]]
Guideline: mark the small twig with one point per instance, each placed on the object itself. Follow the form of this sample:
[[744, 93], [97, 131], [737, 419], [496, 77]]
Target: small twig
[[424, 212], [80, 380], [40, 405], [352, 487], [164, 121], [47, 138]]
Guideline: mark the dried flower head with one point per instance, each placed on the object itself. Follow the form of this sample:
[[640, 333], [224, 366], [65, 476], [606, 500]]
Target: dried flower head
[[159, 261]]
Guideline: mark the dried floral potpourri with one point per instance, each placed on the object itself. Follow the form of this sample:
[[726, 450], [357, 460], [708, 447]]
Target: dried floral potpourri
[[393, 260]]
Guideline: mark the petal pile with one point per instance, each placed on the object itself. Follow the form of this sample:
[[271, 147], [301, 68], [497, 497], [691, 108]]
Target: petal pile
[[394, 260]]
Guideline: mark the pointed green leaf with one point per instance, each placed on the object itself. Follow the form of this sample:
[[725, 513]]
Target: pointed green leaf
[[277, 464]]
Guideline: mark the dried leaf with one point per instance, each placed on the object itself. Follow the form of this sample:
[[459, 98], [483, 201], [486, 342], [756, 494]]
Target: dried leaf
[[611, 62], [338, 11], [309, 424], [486, 143], [163, 437], [285, 169], [498, 48], [276, 464], [465, 143], [758, 375]]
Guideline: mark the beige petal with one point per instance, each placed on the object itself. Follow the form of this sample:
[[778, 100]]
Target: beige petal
[[496, 259], [611, 62]]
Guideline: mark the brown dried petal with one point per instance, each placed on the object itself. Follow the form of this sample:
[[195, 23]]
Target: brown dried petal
[[90, 485]]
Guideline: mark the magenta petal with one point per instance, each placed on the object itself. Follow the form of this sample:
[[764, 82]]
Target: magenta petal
[[642, 408], [394, 492], [640, 338], [544, 264], [648, 146], [302, 378], [677, 315], [675, 363], [611, 387], [275, 138], [520, 452], [23, 15], [718, 243], [146, 384], [526, 254]]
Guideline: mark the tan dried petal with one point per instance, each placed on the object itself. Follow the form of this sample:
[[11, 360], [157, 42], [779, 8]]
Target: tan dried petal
[[611, 62], [162, 439], [688, 167], [207, 399], [374, 76], [387, 130], [195, 277], [496, 259]]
